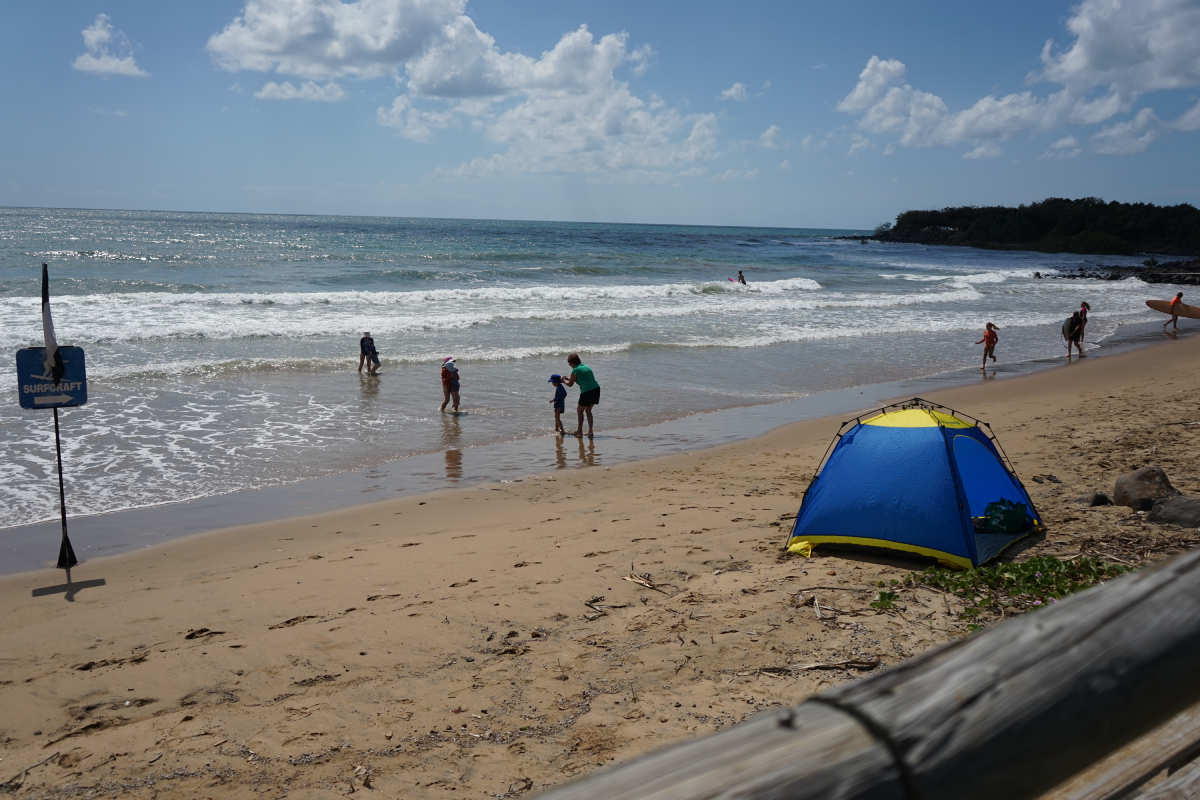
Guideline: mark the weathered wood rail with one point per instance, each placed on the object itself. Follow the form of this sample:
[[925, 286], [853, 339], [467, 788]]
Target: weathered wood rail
[[1006, 714]]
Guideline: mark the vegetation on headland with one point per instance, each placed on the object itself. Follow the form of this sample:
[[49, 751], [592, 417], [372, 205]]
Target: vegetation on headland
[[1055, 225]]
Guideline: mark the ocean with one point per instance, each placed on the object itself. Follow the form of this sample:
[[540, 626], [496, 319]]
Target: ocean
[[222, 348]]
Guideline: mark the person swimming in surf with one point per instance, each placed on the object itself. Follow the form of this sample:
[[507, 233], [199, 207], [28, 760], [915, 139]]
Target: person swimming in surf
[[742, 278]]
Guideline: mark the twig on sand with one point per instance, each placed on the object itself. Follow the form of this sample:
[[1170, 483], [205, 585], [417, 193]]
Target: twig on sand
[[16, 781], [647, 581], [594, 605], [846, 664]]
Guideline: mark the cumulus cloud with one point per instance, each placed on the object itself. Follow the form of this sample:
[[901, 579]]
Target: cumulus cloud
[[770, 138], [1122, 50], [1189, 120], [734, 175], [1125, 138], [100, 39], [858, 143], [785, 164], [309, 90], [329, 39], [1066, 147], [983, 151], [736, 93], [563, 111]]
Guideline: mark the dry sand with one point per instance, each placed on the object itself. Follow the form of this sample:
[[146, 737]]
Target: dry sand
[[488, 641]]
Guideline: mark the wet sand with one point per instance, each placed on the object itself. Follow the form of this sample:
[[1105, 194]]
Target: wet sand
[[490, 640]]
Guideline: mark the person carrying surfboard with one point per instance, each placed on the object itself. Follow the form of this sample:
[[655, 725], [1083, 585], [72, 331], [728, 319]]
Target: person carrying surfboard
[[990, 337], [1174, 312]]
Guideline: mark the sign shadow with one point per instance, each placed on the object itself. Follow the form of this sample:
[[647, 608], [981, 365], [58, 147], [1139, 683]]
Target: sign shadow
[[69, 588]]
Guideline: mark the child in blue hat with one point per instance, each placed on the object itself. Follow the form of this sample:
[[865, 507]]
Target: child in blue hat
[[560, 402]]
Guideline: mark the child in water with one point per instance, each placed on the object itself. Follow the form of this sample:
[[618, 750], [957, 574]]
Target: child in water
[[560, 402], [990, 337]]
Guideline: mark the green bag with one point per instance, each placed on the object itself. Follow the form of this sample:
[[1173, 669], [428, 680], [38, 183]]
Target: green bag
[[1005, 516]]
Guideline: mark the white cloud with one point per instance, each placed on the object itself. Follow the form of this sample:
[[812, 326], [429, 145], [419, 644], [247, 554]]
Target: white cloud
[[766, 85], [1066, 147], [734, 175], [1189, 120], [770, 138], [309, 90], [327, 39], [1124, 138], [97, 38], [785, 164], [983, 151], [806, 142], [1122, 49], [1132, 46], [817, 67], [736, 93], [563, 111], [858, 143]]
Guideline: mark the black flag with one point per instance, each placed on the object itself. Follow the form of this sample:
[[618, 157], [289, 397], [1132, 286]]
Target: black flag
[[54, 360]]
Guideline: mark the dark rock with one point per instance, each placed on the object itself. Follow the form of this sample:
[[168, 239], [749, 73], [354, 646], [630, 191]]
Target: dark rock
[[1096, 499], [1140, 488], [1182, 511]]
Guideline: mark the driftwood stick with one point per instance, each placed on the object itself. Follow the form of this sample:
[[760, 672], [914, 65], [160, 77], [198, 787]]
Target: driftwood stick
[[1006, 714]]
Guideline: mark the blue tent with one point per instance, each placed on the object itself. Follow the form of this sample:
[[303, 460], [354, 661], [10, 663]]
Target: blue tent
[[920, 478]]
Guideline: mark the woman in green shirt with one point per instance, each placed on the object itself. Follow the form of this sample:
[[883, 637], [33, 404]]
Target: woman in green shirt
[[589, 391]]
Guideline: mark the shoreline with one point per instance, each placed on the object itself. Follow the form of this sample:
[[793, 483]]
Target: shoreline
[[487, 639], [128, 530]]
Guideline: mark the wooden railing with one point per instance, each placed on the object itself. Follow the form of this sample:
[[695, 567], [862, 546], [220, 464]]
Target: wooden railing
[[1006, 714]]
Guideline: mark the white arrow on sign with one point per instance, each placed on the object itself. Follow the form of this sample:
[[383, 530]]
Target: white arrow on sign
[[52, 398]]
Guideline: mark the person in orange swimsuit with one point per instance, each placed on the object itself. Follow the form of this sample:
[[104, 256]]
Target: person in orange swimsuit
[[1178, 301], [990, 337]]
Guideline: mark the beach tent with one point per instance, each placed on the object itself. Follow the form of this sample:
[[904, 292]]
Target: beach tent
[[920, 478]]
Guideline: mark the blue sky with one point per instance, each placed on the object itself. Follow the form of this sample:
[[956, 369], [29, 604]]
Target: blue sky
[[769, 113]]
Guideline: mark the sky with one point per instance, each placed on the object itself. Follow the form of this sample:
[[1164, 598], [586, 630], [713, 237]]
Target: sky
[[795, 114]]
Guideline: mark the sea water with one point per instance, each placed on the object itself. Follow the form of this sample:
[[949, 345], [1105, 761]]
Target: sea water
[[222, 349]]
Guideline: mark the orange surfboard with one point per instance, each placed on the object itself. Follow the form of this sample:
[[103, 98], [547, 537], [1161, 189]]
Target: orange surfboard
[[1181, 309]]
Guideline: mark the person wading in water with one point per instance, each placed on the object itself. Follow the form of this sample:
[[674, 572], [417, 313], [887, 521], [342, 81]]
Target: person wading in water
[[589, 391]]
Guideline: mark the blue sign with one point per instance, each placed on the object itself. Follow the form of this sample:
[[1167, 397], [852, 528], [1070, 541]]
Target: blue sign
[[35, 383]]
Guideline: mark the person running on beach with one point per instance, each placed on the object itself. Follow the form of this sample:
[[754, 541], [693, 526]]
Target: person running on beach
[[1074, 334], [990, 337], [589, 391], [450, 383], [560, 402], [368, 354], [1174, 312], [742, 279]]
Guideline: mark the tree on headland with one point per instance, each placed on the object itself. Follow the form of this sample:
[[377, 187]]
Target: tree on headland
[[1056, 225]]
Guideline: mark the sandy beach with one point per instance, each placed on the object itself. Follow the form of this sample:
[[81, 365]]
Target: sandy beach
[[502, 639]]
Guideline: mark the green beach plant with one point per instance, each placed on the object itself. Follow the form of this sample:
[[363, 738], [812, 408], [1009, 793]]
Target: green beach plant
[[994, 591]]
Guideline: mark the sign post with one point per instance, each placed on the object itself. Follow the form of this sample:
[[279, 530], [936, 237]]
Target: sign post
[[53, 377]]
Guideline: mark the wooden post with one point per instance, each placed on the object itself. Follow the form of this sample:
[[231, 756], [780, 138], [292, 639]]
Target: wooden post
[[1006, 714]]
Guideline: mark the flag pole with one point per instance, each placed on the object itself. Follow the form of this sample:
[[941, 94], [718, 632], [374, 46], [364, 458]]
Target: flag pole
[[66, 554]]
